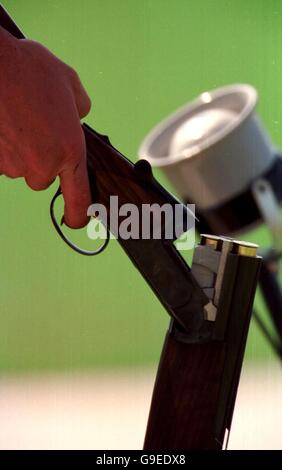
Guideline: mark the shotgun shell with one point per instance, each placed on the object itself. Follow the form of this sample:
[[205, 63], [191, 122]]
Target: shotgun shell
[[210, 240], [245, 248]]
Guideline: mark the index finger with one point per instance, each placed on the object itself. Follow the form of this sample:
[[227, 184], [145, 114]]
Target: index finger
[[76, 193]]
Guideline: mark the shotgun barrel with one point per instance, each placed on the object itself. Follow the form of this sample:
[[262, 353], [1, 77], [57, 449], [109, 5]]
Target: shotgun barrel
[[196, 385]]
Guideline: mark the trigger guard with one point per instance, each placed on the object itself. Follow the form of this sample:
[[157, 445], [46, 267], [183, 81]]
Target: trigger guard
[[66, 239]]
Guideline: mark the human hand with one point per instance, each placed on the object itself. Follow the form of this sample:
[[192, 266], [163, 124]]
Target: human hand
[[41, 103]]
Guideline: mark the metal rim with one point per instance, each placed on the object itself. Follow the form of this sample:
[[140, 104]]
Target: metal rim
[[250, 99]]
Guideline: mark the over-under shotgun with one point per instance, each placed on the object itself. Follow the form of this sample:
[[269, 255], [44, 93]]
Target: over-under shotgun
[[198, 375], [210, 306]]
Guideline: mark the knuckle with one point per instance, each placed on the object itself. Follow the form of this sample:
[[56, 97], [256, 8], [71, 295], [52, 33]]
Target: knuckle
[[72, 73], [87, 104], [12, 173], [37, 184]]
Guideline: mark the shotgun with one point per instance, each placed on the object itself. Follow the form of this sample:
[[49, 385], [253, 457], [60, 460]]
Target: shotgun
[[210, 304], [198, 376]]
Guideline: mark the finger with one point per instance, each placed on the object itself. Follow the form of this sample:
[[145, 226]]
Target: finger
[[76, 192], [12, 166], [37, 183], [83, 102], [12, 173]]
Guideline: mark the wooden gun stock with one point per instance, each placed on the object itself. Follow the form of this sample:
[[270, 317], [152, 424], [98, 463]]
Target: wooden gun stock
[[196, 384]]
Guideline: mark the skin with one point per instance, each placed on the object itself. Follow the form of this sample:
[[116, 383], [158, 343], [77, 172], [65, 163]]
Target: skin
[[41, 103]]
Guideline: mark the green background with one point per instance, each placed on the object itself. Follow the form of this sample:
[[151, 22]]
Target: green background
[[139, 60]]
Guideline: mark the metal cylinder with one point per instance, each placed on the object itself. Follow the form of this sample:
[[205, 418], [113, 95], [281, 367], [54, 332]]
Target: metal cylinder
[[212, 148]]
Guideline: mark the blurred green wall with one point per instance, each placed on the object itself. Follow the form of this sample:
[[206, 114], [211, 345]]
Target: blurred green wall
[[139, 60]]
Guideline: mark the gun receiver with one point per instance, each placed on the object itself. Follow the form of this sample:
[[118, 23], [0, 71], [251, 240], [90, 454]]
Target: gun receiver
[[198, 376], [159, 262]]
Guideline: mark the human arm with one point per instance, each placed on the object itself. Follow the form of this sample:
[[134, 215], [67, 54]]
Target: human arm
[[41, 103]]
